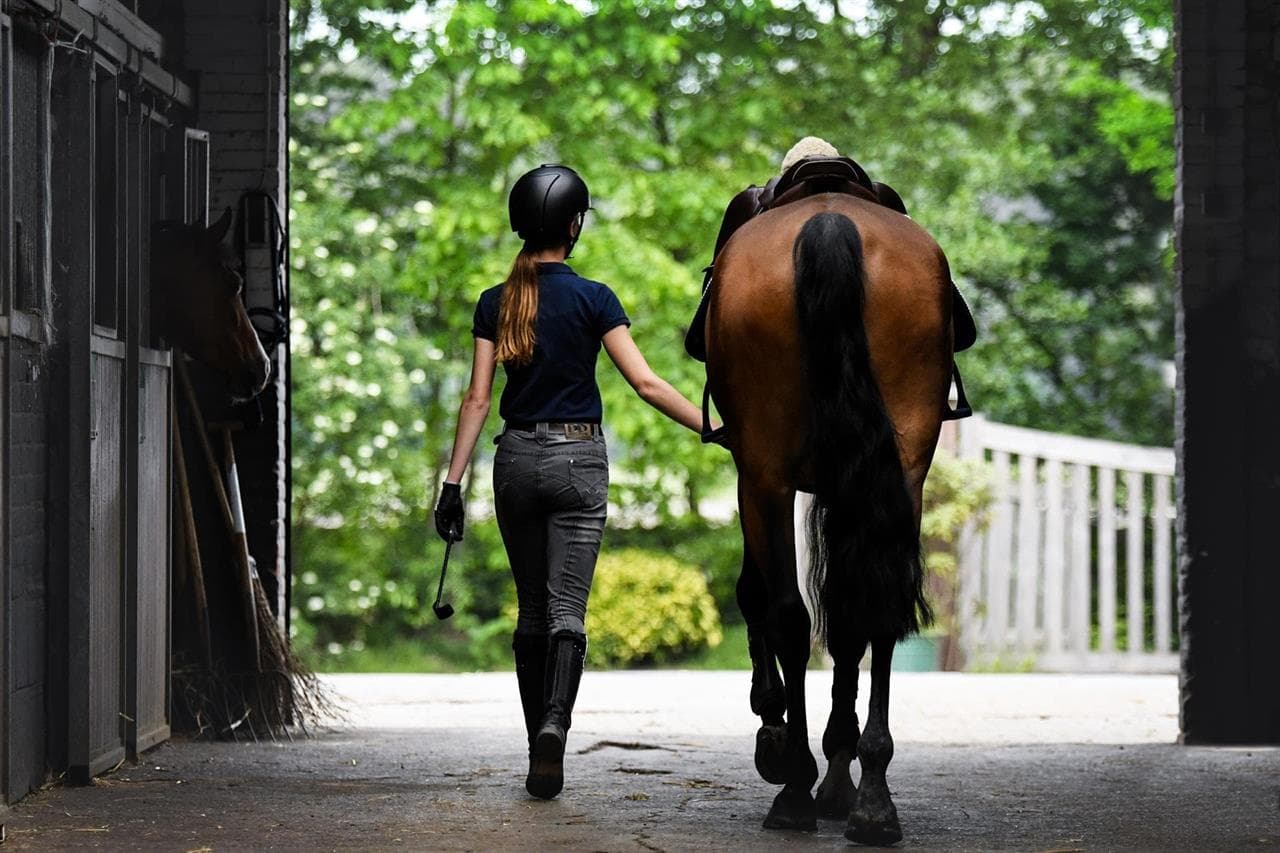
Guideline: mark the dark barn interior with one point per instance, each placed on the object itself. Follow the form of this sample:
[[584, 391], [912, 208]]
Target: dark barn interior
[[117, 116]]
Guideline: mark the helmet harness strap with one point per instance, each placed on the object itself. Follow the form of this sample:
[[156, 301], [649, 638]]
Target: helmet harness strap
[[573, 238]]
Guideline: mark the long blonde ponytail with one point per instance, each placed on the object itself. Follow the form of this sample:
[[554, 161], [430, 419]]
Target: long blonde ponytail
[[517, 312]]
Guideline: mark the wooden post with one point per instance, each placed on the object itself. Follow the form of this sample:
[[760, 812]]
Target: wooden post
[[1054, 557], [1000, 555], [1163, 585], [969, 550], [1106, 560], [1135, 562], [1028, 554], [1081, 574]]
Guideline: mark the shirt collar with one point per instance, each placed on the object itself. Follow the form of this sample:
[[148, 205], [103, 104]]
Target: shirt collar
[[554, 268]]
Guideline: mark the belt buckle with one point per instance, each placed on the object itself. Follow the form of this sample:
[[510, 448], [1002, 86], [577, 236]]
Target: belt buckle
[[579, 432]]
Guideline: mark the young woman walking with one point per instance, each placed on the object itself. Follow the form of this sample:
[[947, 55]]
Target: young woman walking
[[545, 324]]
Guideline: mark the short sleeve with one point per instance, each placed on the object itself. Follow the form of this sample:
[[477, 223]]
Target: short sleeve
[[485, 322], [609, 313]]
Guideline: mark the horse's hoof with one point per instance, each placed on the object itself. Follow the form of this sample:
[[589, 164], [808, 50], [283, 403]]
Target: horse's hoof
[[874, 836], [837, 791], [873, 820], [771, 754], [792, 809]]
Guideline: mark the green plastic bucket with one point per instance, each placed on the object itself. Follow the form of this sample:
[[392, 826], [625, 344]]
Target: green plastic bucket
[[917, 654]]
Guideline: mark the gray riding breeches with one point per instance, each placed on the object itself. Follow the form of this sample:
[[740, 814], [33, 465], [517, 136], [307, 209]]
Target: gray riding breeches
[[550, 496]]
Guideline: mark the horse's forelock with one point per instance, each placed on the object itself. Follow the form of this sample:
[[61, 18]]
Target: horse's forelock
[[192, 242], [226, 255]]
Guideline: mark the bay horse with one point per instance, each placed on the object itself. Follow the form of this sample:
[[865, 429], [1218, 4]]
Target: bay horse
[[829, 348], [197, 307]]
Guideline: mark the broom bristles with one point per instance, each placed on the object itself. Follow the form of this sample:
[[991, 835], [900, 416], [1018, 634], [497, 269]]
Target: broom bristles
[[283, 695]]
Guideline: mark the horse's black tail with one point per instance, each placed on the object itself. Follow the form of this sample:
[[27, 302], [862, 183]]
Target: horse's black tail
[[865, 567]]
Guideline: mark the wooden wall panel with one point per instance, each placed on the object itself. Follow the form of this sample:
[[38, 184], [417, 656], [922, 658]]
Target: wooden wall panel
[[150, 699], [106, 552]]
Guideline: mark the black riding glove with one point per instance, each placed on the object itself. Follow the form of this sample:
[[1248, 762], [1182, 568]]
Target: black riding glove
[[449, 513]]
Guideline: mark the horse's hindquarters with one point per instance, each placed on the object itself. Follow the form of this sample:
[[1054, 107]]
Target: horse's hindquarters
[[755, 354]]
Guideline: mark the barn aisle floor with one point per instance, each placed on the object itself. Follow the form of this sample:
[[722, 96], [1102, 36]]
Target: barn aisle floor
[[662, 761]]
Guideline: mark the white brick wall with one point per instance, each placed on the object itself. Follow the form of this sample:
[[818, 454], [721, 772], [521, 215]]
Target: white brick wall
[[235, 50]]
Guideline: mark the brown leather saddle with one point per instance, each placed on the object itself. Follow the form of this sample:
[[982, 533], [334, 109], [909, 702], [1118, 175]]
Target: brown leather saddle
[[816, 175]]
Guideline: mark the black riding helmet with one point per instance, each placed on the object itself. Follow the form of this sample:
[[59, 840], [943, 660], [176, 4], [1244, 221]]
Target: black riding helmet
[[544, 201]]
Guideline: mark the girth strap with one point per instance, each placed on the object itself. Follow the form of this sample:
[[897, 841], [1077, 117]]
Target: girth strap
[[709, 435]]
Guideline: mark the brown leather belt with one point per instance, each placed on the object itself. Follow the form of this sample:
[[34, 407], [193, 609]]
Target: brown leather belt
[[571, 430]]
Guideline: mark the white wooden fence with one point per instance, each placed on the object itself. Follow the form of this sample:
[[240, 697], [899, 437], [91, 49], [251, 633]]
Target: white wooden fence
[[1075, 570]]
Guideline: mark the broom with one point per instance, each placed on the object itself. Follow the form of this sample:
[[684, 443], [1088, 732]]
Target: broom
[[193, 570], [282, 690]]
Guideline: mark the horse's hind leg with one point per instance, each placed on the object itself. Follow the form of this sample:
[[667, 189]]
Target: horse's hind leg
[[770, 534], [789, 629], [768, 701], [873, 818], [840, 740]]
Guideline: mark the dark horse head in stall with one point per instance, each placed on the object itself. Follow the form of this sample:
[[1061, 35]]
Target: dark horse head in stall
[[197, 304]]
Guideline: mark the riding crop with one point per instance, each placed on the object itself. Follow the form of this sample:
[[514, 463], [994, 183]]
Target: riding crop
[[443, 611]]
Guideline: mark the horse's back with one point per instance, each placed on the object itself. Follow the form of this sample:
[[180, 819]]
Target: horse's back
[[905, 268], [755, 354]]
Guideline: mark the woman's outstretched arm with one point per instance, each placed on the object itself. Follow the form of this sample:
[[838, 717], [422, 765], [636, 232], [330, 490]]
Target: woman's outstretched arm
[[651, 387], [474, 409]]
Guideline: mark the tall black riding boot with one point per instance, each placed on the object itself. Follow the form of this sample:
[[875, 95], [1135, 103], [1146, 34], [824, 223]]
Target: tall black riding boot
[[565, 657], [531, 668]]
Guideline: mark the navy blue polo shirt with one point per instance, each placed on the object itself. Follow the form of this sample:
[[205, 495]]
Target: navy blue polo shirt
[[559, 384]]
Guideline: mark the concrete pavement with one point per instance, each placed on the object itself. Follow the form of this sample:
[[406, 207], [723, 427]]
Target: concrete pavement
[[662, 761]]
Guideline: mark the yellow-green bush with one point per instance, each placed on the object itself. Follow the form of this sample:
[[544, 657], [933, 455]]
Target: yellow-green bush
[[648, 608]]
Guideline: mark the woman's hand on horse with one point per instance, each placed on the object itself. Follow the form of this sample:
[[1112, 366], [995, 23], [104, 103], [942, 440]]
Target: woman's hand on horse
[[717, 435], [449, 513]]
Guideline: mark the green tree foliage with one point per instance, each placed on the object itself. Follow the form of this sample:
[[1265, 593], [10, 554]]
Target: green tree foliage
[[1032, 139]]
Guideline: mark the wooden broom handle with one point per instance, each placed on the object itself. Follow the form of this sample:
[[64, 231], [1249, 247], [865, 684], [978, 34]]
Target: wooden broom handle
[[211, 461], [192, 542]]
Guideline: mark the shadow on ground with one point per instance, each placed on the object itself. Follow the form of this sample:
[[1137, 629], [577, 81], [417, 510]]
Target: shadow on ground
[[435, 763]]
